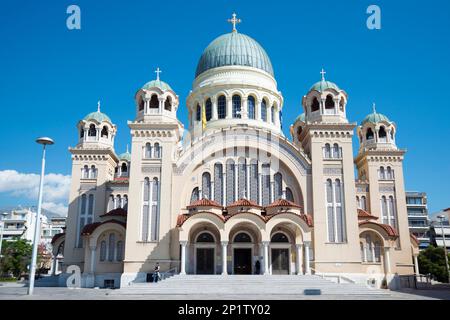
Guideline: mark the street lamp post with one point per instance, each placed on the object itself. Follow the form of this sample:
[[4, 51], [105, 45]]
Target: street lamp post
[[441, 218], [1, 237], [44, 141]]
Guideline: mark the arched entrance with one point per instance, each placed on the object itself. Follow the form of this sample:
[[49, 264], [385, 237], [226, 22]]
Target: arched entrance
[[280, 251], [242, 253], [205, 253]]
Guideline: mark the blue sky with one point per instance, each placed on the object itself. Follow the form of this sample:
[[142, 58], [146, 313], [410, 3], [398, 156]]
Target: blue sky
[[50, 77]]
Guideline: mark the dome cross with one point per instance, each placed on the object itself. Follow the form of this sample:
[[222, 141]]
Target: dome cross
[[234, 21], [373, 108], [158, 71], [98, 106], [323, 74]]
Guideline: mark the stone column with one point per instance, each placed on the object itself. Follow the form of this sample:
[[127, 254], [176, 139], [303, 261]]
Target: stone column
[[266, 257], [224, 201], [229, 108], [247, 187], [236, 182], [299, 259], [224, 257], [214, 108], [387, 260], [307, 266], [160, 105], [53, 267], [244, 108], [211, 190], [260, 189], [92, 265], [416, 265], [257, 110], [183, 257]]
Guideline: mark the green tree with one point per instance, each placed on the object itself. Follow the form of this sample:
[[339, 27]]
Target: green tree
[[432, 261], [16, 255]]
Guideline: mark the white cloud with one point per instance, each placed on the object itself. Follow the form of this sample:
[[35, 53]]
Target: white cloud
[[56, 188], [58, 208]]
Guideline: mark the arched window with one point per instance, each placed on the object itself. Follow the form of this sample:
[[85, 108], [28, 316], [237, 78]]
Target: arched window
[[272, 114], [155, 210], [124, 168], [358, 203], [242, 237], [242, 178], [265, 188], [81, 132], [119, 254], [208, 110], [254, 183], [335, 214], [104, 132], [168, 104], [93, 172], [157, 151], [264, 110], [90, 208], [198, 113], [146, 210], [148, 150], [83, 204], [206, 185], [103, 250], [154, 102], [384, 210], [236, 100], [392, 212], [329, 105], [125, 202], [251, 107], [278, 185], [315, 105], [363, 257], [363, 203], [341, 105], [382, 134], [85, 172], [218, 183], [141, 104], [279, 237], [289, 195], [92, 131], [369, 134], [389, 173], [382, 173], [336, 151], [205, 237], [118, 202], [327, 151], [221, 107], [112, 246], [230, 181], [194, 195], [392, 134]]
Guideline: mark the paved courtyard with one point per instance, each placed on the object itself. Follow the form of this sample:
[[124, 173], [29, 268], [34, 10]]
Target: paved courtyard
[[19, 292]]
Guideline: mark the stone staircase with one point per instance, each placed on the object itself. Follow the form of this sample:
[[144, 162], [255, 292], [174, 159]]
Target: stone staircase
[[263, 287]]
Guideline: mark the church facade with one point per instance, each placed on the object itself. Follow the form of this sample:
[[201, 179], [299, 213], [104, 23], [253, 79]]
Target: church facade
[[231, 194]]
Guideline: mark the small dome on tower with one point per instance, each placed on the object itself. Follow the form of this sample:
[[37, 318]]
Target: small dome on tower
[[300, 118], [322, 85], [126, 156], [157, 84], [375, 117]]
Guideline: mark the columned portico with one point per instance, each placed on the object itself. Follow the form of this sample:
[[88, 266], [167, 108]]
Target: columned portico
[[299, 257], [387, 260], [307, 266]]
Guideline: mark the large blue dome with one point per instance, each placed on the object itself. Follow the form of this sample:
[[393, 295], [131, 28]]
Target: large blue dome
[[234, 49]]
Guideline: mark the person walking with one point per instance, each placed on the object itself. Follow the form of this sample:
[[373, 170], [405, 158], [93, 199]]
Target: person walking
[[156, 275], [257, 267]]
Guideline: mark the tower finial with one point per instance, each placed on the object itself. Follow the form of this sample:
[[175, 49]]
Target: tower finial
[[373, 108], [323, 74], [158, 71], [98, 106], [234, 21]]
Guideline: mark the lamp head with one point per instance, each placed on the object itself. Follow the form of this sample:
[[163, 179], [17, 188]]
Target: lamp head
[[45, 141]]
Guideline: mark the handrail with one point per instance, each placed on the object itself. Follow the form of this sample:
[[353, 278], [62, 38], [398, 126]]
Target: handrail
[[169, 273], [338, 276]]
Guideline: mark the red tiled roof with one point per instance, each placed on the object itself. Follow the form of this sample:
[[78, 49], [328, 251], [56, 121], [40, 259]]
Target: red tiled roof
[[204, 203], [306, 217], [116, 212], [56, 237], [181, 219], [391, 231], [283, 203], [90, 228], [365, 215], [244, 203]]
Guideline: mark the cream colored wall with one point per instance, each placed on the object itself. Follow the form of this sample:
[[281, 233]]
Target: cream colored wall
[[330, 257], [104, 161]]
